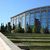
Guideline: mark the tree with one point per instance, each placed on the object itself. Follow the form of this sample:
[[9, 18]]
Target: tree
[[2, 28], [9, 27], [46, 30], [37, 26], [13, 27], [29, 30], [6, 28], [20, 29]]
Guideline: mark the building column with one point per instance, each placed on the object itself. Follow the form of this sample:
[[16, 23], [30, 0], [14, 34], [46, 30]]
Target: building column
[[29, 17], [47, 17], [11, 20], [25, 22], [40, 15]]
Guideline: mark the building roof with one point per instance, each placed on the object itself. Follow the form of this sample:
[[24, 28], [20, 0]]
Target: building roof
[[31, 10]]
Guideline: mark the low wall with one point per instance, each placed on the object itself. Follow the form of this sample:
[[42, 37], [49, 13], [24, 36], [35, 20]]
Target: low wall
[[6, 44]]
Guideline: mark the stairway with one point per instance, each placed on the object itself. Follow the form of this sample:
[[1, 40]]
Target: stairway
[[31, 41]]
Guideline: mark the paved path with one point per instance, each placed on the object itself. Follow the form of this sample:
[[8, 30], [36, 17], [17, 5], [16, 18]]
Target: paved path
[[6, 44]]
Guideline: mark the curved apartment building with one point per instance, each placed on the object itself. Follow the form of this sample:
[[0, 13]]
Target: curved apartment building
[[28, 17]]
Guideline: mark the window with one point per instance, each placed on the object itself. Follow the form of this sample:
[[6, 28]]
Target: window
[[37, 16], [49, 19], [31, 19], [44, 19], [23, 21], [27, 18], [18, 20], [14, 21]]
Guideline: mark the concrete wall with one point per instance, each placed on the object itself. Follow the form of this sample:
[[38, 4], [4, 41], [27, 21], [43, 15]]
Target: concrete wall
[[6, 44]]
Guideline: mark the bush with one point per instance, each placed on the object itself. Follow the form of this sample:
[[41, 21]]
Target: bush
[[20, 29], [46, 30], [29, 29]]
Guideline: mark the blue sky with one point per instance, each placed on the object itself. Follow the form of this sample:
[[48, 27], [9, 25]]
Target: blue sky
[[9, 8]]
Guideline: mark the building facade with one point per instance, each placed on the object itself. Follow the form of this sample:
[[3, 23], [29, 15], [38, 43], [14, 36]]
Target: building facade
[[28, 17]]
